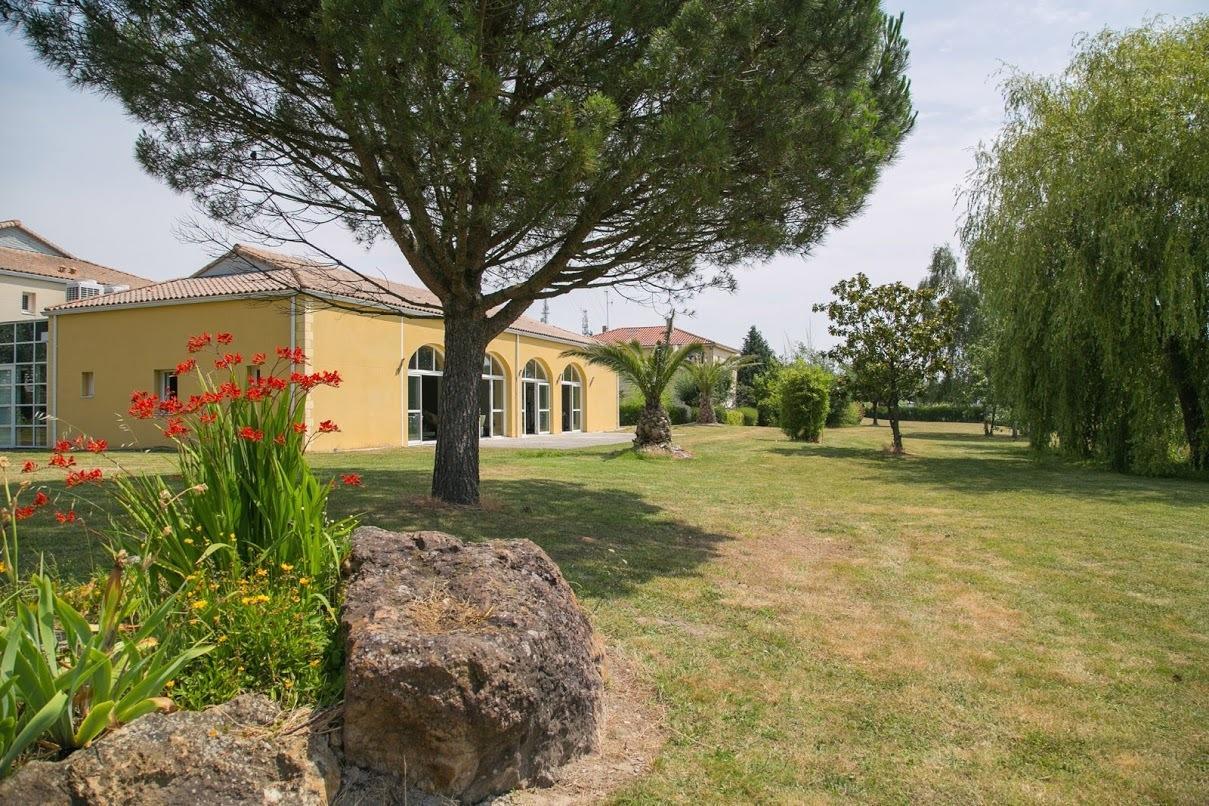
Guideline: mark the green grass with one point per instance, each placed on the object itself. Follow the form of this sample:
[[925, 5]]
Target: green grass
[[823, 622]]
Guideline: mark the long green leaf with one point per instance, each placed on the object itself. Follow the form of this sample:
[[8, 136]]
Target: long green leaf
[[33, 729]]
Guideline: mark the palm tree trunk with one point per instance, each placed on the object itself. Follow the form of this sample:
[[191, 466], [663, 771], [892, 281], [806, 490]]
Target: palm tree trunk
[[654, 427], [705, 408]]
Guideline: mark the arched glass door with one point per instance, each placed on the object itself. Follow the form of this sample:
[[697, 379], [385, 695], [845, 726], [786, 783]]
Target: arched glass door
[[572, 399], [535, 399], [492, 399], [424, 372]]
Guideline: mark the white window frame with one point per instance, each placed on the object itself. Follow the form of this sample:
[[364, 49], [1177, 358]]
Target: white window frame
[[436, 367], [493, 370], [538, 381], [577, 395], [164, 380]]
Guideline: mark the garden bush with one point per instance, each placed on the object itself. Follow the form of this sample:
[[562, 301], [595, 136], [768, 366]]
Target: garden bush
[[630, 407], [843, 410], [750, 414], [803, 396], [734, 417]]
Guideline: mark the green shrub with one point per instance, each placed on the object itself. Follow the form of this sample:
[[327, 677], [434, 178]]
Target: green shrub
[[629, 410], [803, 395], [750, 414], [734, 417], [843, 409], [680, 415]]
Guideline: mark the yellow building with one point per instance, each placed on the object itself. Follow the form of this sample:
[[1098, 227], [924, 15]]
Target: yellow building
[[384, 338]]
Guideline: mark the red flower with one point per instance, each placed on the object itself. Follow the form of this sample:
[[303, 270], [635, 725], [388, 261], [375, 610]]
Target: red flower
[[229, 360], [223, 338], [171, 405], [327, 427], [175, 428], [230, 390], [299, 428], [98, 445], [295, 356], [66, 517], [279, 439], [258, 359], [251, 434], [61, 460], [29, 467], [62, 446], [351, 479], [21, 513], [83, 476], [208, 418], [254, 394], [41, 499], [143, 405], [197, 343], [185, 367]]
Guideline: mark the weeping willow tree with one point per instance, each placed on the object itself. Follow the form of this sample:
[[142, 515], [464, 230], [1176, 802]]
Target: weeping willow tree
[[1088, 230]]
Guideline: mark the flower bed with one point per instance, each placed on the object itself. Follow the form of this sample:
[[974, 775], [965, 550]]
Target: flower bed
[[224, 580]]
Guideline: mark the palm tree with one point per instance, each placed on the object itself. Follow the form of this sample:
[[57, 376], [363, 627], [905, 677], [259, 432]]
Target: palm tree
[[649, 373], [710, 375]]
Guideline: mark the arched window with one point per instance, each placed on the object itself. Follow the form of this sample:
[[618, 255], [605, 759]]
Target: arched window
[[535, 399], [572, 399], [423, 393], [492, 399], [426, 359]]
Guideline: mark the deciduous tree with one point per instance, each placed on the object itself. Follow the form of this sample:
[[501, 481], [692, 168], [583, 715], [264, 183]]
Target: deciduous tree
[[894, 338], [1088, 229], [511, 151]]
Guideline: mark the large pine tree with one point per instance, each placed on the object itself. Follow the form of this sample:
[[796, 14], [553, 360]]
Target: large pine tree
[[511, 151]]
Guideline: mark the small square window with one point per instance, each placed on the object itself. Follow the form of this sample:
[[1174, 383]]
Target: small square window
[[166, 383], [29, 302], [87, 385]]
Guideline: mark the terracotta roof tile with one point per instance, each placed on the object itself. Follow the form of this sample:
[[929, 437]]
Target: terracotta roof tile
[[271, 274], [650, 335], [64, 268]]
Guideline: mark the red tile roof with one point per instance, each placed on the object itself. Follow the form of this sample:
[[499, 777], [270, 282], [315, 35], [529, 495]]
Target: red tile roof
[[650, 335], [64, 268], [269, 274]]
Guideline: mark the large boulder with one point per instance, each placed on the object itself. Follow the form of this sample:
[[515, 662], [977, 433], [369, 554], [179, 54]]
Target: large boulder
[[235, 753], [471, 669]]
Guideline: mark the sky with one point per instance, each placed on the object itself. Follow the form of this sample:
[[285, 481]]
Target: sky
[[67, 170]]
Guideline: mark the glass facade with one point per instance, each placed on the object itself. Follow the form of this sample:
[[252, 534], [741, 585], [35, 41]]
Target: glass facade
[[23, 392]]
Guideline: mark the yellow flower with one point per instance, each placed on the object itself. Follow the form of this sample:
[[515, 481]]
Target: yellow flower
[[188, 541], [231, 536], [314, 663], [199, 604], [148, 643], [260, 597], [222, 639], [247, 600], [3, 568], [262, 572], [170, 684], [287, 683], [287, 567], [304, 581]]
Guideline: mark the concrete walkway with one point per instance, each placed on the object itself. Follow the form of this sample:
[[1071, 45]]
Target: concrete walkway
[[560, 441]]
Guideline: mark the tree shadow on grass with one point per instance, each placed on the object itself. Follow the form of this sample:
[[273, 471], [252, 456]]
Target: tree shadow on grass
[[1004, 466], [606, 541]]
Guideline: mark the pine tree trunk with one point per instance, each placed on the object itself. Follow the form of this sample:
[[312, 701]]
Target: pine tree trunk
[[1192, 408], [654, 427], [455, 473]]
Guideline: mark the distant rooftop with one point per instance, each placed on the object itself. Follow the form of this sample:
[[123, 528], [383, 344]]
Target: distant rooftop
[[650, 335]]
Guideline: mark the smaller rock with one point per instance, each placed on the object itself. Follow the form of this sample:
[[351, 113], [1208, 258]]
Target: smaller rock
[[227, 755]]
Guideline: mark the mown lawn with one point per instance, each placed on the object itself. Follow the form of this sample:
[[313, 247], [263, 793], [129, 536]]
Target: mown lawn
[[965, 624]]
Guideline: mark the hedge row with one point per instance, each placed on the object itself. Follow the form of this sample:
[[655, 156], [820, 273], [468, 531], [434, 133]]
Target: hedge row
[[934, 413]]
